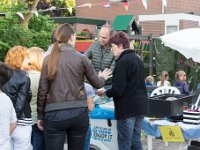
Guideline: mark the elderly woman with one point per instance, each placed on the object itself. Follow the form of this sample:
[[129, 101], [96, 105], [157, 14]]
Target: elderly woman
[[128, 92], [18, 89]]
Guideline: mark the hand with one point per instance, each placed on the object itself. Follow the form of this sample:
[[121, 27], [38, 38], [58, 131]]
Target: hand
[[100, 92], [106, 73], [90, 103], [40, 124], [90, 107]]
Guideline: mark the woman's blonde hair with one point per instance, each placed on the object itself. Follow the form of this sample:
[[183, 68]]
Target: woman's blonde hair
[[163, 76], [149, 79], [179, 74], [15, 56], [36, 56]]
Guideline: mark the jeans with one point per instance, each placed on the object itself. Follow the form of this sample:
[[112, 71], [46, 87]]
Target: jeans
[[37, 138], [129, 133], [87, 139], [75, 128]]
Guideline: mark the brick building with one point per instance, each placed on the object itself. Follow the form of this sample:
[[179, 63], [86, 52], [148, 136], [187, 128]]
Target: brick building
[[158, 20]]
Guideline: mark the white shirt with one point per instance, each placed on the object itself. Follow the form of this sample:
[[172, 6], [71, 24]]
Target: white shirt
[[166, 83], [7, 116]]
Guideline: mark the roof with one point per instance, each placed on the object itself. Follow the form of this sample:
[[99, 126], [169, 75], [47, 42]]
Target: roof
[[122, 22], [71, 20]]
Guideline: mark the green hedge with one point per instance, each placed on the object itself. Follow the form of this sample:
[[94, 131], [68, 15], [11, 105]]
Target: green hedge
[[12, 33]]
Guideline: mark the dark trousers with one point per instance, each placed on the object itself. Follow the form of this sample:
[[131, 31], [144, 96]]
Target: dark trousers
[[37, 138], [75, 129]]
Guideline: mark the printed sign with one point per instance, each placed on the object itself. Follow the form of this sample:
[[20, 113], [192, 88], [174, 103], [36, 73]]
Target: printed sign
[[171, 134], [102, 133]]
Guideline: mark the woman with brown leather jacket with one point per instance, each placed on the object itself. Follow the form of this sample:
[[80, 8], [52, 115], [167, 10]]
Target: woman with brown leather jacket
[[62, 98]]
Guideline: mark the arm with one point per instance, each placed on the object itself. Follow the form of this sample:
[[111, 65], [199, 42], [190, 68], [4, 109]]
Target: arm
[[13, 119], [90, 96], [112, 66], [90, 102], [12, 127], [43, 90], [185, 89], [91, 75], [23, 96], [118, 81]]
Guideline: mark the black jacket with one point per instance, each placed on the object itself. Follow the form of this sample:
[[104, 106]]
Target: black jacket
[[18, 89], [128, 87]]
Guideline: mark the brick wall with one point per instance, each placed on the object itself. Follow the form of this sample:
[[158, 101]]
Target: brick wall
[[135, 7], [185, 24], [156, 28], [180, 6], [101, 12]]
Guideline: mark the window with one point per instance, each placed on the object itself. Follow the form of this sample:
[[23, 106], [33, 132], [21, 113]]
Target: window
[[171, 29]]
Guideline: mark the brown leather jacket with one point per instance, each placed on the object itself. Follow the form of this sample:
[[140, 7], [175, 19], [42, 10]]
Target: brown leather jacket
[[67, 89]]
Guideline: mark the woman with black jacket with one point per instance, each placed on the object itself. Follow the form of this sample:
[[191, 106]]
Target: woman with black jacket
[[128, 92], [18, 89]]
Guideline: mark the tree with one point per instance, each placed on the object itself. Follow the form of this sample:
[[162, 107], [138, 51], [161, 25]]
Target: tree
[[37, 32], [29, 15], [6, 4]]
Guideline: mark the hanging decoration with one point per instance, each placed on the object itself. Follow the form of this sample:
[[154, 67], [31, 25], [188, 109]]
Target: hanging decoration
[[36, 13], [86, 5], [70, 3], [20, 15], [70, 9], [125, 4], [144, 2], [106, 4], [164, 2]]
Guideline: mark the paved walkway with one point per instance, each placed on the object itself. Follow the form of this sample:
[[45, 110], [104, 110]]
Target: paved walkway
[[158, 144]]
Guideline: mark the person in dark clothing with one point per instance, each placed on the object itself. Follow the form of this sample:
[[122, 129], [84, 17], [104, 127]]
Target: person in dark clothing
[[100, 52], [128, 92], [180, 77], [18, 89]]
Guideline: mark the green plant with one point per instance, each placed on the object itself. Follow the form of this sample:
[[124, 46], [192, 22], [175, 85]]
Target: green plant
[[41, 23], [12, 33]]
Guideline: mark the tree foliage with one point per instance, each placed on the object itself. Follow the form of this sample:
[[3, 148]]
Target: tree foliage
[[13, 33]]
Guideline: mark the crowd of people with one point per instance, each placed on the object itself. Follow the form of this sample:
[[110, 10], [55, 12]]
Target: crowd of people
[[46, 96], [180, 81]]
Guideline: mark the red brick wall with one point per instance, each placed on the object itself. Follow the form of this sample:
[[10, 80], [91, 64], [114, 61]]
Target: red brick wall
[[156, 28], [135, 7], [101, 12], [180, 6], [185, 24]]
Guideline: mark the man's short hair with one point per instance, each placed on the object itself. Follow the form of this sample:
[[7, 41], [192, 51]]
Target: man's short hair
[[109, 27], [5, 73]]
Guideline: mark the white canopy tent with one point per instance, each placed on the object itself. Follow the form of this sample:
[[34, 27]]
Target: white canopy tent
[[186, 41]]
